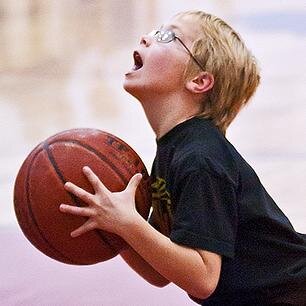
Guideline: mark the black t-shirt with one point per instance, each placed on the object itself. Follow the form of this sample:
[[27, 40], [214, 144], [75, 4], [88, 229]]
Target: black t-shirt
[[206, 196]]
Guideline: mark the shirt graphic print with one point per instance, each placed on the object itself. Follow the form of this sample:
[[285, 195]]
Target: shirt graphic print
[[162, 215]]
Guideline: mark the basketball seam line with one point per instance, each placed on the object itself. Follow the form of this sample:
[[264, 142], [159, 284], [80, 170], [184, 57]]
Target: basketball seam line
[[103, 157], [62, 178], [59, 253]]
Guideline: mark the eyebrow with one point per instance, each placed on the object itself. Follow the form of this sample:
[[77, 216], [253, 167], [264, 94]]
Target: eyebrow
[[171, 27]]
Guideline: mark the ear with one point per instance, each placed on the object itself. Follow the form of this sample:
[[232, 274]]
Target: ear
[[203, 82]]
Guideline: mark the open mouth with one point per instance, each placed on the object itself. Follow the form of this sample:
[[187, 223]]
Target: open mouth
[[138, 63]]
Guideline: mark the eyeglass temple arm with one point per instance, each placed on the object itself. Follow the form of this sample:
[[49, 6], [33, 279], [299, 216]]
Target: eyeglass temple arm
[[198, 63]]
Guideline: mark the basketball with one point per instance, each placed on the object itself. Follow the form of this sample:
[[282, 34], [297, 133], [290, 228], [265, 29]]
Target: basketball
[[39, 191]]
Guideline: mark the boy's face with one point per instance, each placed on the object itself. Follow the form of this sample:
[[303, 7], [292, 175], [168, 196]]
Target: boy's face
[[158, 66]]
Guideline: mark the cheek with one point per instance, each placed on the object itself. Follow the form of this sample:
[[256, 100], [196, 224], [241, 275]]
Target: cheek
[[166, 66], [159, 64]]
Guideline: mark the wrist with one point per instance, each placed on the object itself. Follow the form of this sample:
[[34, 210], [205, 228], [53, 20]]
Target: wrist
[[130, 226]]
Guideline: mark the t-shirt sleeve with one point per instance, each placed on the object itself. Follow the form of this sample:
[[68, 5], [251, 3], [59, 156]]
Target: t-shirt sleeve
[[205, 211]]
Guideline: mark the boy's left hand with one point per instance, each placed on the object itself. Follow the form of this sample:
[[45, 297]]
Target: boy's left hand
[[106, 210]]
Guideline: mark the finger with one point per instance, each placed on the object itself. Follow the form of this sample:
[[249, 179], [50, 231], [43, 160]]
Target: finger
[[94, 180], [134, 182], [79, 192], [77, 211], [86, 227]]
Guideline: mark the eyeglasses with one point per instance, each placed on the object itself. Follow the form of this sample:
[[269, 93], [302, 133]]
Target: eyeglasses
[[166, 36]]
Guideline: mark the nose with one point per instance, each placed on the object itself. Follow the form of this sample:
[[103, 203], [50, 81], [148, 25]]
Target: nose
[[146, 40]]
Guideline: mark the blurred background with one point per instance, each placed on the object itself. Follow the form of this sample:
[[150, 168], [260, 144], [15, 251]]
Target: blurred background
[[62, 65]]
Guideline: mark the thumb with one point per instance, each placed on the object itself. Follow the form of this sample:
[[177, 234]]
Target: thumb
[[134, 182]]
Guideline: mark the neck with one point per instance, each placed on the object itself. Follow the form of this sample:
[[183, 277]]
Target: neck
[[165, 113]]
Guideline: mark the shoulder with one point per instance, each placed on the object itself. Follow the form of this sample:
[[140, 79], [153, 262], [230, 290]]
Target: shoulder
[[197, 162], [210, 153], [197, 145]]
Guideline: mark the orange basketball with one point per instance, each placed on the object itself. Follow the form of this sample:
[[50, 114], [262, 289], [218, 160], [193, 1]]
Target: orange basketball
[[39, 190]]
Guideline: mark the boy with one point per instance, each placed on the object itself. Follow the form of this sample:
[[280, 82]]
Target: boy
[[214, 231]]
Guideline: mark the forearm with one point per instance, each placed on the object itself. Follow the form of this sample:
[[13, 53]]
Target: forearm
[[195, 271], [180, 265], [139, 265]]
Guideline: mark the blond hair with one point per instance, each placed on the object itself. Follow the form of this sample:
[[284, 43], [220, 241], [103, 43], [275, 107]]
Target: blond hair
[[221, 51]]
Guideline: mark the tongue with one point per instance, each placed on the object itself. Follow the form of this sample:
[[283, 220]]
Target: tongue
[[137, 66]]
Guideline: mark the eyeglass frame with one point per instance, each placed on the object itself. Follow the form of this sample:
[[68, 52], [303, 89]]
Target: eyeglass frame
[[172, 37]]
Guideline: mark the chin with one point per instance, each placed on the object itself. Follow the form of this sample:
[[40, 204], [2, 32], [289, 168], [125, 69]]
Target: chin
[[128, 87], [132, 90]]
